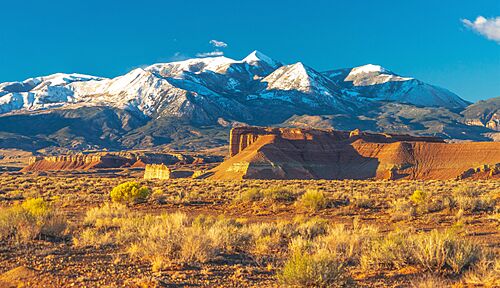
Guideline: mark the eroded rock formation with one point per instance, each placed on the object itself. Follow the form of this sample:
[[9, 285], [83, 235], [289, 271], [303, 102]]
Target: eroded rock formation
[[113, 160], [284, 153]]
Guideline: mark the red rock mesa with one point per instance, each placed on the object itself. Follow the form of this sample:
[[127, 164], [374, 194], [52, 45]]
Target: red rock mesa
[[289, 153]]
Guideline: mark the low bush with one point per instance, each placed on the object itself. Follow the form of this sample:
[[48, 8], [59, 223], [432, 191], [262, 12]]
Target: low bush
[[319, 269], [228, 234], [279, 194], [34, 218], [437, 251], [402, 209], [471, 200], [273, 194], [347, 243], [103, 216], [313, 200], [486, 273], [311, 228], [251, 195], [363, 201], [130, 192], [391, 251], [162, 239], [419, 197]]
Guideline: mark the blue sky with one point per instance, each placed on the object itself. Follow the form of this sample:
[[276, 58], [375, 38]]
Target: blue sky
[[424, 39]]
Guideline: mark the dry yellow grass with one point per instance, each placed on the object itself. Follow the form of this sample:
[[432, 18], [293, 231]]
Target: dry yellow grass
[[252, 231]]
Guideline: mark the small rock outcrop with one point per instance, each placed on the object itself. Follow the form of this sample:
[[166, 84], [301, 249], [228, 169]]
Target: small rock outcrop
[[156, 171], [482, 172], [162, 172]]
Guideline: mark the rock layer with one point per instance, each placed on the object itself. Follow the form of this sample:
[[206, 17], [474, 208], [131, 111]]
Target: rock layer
[[282, 153]]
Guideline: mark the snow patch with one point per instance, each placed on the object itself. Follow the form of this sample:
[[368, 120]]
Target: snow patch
[[257, 56], [369, 68]]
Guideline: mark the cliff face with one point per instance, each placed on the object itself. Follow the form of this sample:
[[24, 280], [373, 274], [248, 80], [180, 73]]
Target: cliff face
[[484, 113], [78, 162], [242, 137], [281, 153], [113, 160]]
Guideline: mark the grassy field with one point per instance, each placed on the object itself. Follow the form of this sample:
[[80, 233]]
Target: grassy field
[[64, 230]]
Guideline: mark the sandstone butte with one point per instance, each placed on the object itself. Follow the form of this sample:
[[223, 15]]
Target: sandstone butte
[[289, 153]]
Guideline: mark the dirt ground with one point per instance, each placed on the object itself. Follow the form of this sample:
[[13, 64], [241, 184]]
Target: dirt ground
[[58, 263]]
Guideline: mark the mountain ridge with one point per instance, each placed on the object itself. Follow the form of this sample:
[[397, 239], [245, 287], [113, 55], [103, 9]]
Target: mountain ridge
[[169, 103]]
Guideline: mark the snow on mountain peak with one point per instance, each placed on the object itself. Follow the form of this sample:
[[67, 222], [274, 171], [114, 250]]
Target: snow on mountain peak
[[257, 56], [41, 92], [298, 77], [169, 85], [368, 68], [370, 74], [59, 79], [194, 65]]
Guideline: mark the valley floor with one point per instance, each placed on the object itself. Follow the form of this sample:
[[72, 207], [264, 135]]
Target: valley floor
[[244, 233]]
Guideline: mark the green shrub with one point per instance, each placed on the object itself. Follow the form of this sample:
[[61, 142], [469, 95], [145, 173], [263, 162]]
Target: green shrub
[[320, 269], [419, 197], [129, 192], [313, 200], [34, 218], [36, 207]]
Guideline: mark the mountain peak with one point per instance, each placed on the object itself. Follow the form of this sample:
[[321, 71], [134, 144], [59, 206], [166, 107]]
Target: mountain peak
[[298, 77], [257, 56], [371, 74], [298, 65]]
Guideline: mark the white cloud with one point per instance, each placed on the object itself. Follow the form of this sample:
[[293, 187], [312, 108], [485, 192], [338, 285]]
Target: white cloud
[[210, 54], [489, 28], [218, 44], [217, 52]]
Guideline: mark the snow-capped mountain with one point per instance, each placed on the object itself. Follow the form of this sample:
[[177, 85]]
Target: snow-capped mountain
[[178, 88], [166, 102], [377, 83], [40, 92], [306, 87]]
